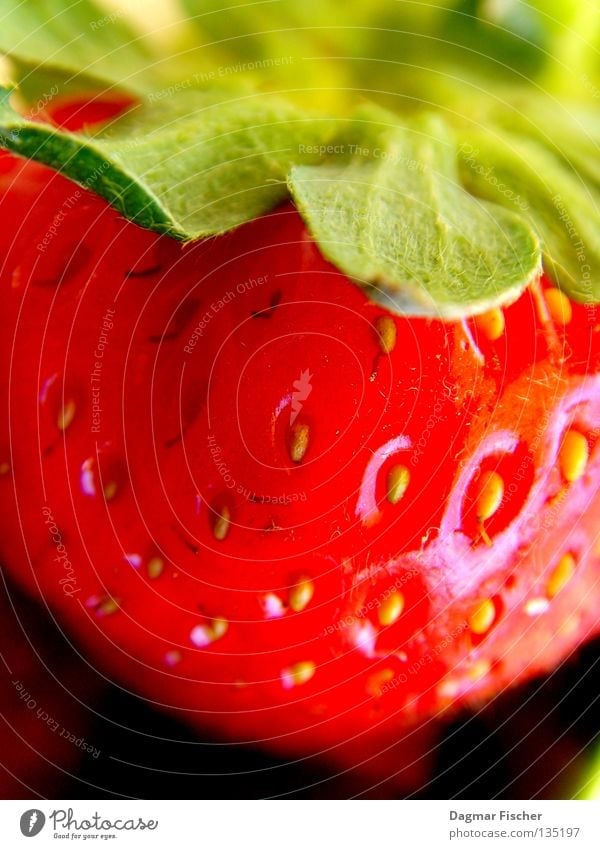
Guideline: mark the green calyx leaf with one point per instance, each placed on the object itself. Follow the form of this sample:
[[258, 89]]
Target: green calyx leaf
[[79, 37], [386, 204], [564, 208], [432, 220], [191, 165], [396, 218]]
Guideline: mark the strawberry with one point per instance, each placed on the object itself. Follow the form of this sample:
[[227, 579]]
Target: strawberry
[[269, 504], [44, 689]]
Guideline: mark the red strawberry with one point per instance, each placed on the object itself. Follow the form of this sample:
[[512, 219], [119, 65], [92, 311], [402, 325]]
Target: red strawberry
[[298, 519], [43, 693]]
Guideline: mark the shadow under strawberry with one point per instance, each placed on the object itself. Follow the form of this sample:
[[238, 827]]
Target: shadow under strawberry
[[48, 699]]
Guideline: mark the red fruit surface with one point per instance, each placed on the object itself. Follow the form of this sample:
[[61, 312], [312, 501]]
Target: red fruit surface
[[45, 696], [214, 429]]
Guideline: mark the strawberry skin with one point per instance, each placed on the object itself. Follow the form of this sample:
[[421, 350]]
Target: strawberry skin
[[292, 517], [44, 690]]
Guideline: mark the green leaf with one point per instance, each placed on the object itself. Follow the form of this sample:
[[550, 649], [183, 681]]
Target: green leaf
[[524, 175], [78, 36], [393, 210], [304, 49], [394, 216], [397, 48], [569, 130], [588, 783], [189, 164]]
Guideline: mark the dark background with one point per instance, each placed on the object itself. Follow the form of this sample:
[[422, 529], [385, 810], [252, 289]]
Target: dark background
[[535, 741]]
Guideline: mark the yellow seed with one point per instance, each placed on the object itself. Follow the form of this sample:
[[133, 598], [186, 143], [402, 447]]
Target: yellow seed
[[490, 495], [536, 606], [203, 635], [4, 468], [387, 333], [272, 605], [222, 523], [66, 415], [491, 324], [108, 606], [298, 674], [449, 689], [377, 681], [391, 609], [559, 306], [155, 567], [573, 455], [299, 442], [301, 594], [16, 278], [110, 490], [478, 670], [557, 499], [561, 575], [481, 618], [397, 483], [219, 628]]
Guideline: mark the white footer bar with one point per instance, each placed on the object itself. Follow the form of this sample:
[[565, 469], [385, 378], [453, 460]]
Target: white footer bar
[[301, 824]]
